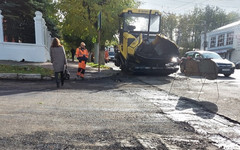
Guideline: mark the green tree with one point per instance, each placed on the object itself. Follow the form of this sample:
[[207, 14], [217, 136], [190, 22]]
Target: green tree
[[80, 17], [50, 15], [169, 24], [18, 18], [192, 25], [196, 24], [233, 16], [184, 31]]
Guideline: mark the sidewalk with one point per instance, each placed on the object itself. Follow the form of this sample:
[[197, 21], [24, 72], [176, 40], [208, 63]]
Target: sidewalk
[[90, 74]]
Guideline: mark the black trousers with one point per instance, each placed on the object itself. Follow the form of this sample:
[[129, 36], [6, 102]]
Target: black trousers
[[57, 77]]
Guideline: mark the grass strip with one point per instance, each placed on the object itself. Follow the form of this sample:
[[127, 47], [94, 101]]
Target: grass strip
[[25, 70], [96, 65]]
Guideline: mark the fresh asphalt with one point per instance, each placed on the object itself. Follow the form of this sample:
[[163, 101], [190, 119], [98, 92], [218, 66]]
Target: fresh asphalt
[[156, 109]]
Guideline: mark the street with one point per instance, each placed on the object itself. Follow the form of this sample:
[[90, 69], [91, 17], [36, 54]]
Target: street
[[121, 112], [61, 88]]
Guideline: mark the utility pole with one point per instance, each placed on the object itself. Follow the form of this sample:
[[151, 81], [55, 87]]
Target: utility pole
[[205, 35], [99, 39], [99, 47]]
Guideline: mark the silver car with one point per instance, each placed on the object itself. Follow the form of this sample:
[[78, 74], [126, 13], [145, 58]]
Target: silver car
[[225, 66]]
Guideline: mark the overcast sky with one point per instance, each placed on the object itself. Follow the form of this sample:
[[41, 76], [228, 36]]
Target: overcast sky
[[186, 6]]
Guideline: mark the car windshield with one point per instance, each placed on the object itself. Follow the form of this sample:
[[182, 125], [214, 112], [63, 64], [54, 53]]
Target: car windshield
[[139, 22], [211, 56], [111, 53]]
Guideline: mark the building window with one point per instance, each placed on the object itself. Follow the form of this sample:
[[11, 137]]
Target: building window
[[213, 42], [220, 40], [229, 38]]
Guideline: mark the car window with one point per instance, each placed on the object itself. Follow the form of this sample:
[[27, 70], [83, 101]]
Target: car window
[[197, 56], [189, 55], [211, 56], [111, 53]]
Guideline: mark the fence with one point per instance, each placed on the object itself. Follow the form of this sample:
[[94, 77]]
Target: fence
[[38, 52]]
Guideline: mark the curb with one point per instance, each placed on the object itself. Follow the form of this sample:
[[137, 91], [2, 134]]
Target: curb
[[21, 76], [99, 76], [8, 75]]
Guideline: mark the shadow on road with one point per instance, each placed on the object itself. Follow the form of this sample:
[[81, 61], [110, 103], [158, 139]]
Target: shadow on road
[[203, 109], [11, 87]]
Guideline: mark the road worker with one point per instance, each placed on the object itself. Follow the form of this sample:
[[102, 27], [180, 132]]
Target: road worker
[[106, 57], [82, 56]]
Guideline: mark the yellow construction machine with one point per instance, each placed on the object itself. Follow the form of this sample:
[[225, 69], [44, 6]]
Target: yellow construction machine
[[141, 46]]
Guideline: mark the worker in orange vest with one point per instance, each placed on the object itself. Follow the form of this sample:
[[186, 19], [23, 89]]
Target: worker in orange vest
[[106, 56], [82, 56]]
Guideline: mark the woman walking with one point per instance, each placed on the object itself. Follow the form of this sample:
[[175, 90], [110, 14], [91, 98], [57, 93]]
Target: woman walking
[[58, 59]]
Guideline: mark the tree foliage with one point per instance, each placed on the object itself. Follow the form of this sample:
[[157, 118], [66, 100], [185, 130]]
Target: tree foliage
[[80, 17], [18, 20], [18, 17], [169, 24], [50, 15], [190, 26]]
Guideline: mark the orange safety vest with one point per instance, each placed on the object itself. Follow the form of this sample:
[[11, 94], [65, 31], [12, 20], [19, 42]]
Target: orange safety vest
[[80, 53], [106, 55]]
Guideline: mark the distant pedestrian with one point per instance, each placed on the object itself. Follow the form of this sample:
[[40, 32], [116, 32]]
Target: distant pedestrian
[[82, 56], [115, 48], [92, 57], [58, 59], [73, 53], [106, 56]]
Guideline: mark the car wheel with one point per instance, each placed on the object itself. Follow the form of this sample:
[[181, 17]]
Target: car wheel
[[227, 75]]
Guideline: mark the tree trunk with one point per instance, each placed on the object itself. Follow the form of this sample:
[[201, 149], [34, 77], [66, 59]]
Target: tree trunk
[[102, 55]]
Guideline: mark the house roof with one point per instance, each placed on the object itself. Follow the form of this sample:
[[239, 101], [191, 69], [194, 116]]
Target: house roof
[[227, 26]]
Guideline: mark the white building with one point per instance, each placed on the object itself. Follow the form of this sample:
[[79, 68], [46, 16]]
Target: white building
[[38, 52], [224, 41]]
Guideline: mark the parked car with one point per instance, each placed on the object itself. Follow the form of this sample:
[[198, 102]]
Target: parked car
[[224, 66], [237, 64], [111, 56]]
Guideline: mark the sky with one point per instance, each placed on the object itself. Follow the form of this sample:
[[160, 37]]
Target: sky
[[186, 6]]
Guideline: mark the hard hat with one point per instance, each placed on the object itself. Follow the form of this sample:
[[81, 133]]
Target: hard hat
[[83, 44]]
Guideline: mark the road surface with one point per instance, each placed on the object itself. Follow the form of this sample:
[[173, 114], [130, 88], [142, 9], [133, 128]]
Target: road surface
[[122, 112]]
